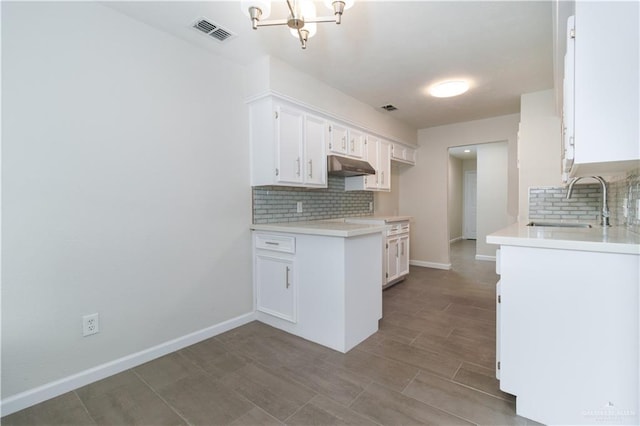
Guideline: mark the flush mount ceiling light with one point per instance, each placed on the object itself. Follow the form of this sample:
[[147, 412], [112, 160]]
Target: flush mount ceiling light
[[447, 89], [302, 18]]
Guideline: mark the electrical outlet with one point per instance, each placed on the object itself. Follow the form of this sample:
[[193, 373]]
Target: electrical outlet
[[90, 324], [299, 206]]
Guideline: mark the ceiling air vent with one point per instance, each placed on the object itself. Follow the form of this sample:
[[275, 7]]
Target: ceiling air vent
[[389, 107], [213, 30]]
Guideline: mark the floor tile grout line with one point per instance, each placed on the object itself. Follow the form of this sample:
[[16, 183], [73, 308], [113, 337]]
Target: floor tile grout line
[[86, 409], [171, 407], [457, 369]]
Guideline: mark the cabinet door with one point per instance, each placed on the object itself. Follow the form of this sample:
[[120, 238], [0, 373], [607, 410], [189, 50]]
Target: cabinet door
[[289, 133], [371, 155], [337, 139], [384, 165], [393, 252], [315, 165], [403, 256], [276, 292], [356, 144], [606, 73]]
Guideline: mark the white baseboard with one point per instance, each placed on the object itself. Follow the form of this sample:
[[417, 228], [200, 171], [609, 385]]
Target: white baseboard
[[50, 390], [435, 265], [453, 240], [487, 258]]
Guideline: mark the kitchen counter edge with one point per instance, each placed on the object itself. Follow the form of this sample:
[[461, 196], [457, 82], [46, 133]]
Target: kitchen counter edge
[[327, 229], [615, 239]]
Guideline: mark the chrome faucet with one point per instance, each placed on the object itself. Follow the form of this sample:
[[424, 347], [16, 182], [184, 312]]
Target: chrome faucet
[[604, 220]]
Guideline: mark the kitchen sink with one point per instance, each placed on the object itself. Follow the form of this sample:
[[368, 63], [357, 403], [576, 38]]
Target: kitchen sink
[[560, 224]]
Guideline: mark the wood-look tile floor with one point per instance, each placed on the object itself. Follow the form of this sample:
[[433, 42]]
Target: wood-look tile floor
[[431, 362]]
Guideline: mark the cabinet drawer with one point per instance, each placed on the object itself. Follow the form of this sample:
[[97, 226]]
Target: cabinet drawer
[[276, 243]]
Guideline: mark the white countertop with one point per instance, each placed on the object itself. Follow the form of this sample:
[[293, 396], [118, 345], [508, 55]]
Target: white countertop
[[614, 239], [329, 228]]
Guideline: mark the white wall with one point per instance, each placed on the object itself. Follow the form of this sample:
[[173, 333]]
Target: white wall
[[455, 197], [424, 188], [538, 146], [492, 187], [125, 189]]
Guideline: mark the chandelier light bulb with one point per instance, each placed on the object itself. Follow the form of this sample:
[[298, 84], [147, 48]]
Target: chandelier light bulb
[[347, 4], [263, 5]]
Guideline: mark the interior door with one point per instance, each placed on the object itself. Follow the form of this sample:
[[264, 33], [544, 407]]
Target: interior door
[[470, 204]]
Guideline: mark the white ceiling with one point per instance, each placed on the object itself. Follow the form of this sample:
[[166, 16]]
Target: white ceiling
[[388, 52]]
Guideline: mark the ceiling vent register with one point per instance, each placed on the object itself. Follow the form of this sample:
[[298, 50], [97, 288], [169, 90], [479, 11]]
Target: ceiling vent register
[[213, 30]]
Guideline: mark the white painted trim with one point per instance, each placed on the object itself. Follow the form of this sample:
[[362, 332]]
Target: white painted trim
[[446, 266], [454, 240], [487, 258], [50, 390]]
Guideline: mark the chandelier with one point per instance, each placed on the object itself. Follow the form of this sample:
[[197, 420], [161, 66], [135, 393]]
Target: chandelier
[[302, 20]]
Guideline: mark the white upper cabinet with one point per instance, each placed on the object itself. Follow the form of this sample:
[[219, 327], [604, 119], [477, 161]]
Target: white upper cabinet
[[345, 141], [315, 165], [355, 147], [601, 89], [289, 137], [403, 153], [287, 146], [378, 153], [290, 142], [338, 143]]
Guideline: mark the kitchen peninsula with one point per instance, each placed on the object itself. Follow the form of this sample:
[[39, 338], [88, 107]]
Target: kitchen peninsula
[[320, 280], [568, 325]]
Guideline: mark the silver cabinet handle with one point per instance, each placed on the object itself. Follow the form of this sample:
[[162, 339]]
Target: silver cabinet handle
[[353, 145], [298, 163], [287, 283], [344, 142], [382, 177], [397, 249], [402, 248], [310, 168], [271, 243]]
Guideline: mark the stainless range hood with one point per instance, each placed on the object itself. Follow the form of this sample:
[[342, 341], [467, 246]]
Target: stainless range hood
[[343, 166]]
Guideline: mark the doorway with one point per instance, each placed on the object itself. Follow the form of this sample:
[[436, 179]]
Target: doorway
[[478, 194]]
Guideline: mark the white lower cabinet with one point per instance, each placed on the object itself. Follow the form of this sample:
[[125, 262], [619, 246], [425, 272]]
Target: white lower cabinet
[[276, 290], [322, 288], [393, 249], [568, 334], [397, 252], [403, 256]]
